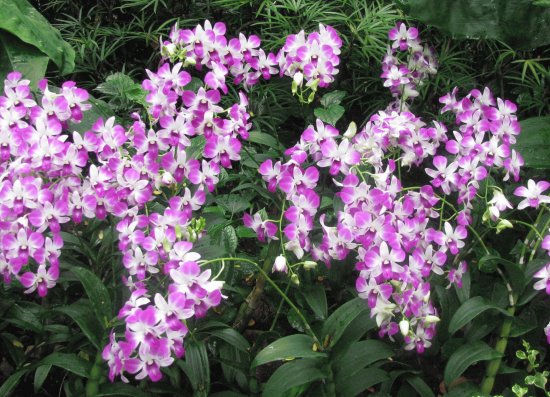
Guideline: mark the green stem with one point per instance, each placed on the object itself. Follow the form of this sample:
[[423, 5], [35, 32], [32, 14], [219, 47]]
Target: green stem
[[502, 342], [500, 347], [92, 385], [264, 277]]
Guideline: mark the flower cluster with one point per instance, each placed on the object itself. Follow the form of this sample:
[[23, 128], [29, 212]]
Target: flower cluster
[[312, 57], [161, 243], [397, 233], [40, 172], [403, 77], [49, 177]]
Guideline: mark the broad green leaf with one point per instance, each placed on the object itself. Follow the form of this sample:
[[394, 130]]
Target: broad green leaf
[[420, 386], [232, 203], [22, 57], [40, 376], [69, 362], [232, 337], [331, 114], [22, 317], [316, 298], [229, 239], [11, 383], [245, 232], [354, 332], [360, 355], [489, 263], [21, 19], [292, 374], [97, 293], [227, 394], [287, 348], [263, 139], [81, 312], [360, 381], [469, 310], [533, 143], [342, 317], [120, 389], [197, 367], [525, 322], [518, 23], [467, 355], [333, 98], [122, 90]]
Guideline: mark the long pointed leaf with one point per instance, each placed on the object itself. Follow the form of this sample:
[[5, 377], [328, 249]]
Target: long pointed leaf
[[469, 310], [292, 374], [465, 356], [289, 347]]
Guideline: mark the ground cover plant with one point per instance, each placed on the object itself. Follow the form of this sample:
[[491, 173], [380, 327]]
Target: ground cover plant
[[249, 221]]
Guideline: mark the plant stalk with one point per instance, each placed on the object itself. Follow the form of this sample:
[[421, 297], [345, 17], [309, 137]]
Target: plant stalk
[[253, 299], [92, 386]]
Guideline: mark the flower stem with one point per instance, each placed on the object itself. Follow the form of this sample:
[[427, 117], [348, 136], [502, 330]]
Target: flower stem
[[251, 301], [92, 385]]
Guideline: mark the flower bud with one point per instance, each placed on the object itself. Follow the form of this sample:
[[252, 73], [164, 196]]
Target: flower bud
[[280, 265], [295, 280], [504, 224], [430, 319], [308, 265], [168, 50], [189, 62], [298, 79], [426, 297], [404, 327], [351, 131]]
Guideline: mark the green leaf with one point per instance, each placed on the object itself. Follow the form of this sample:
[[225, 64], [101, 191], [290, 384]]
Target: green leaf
[[97, 292], [21, 19], [11, 383], [229, 239], [232, 337], [533, 143], [287, 348], [342, 317], [420, 386], [232, 203], [518, 23], [360, 381], [263, 139], [465, 356], [81, 312], [23, 318], [40, 376], [469, 310], [244, 232], [121, 88], [360, 355], [120, 389], [292, 374], [333, 98], [331, 114], [316, 298], [196, 366], [22, 57], [69, 362]]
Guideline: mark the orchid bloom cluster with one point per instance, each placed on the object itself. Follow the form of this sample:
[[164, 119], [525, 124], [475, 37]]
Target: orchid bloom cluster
[[396, 233], [312, 57], [404, 77], [40, 172], [49, 177]]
